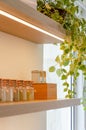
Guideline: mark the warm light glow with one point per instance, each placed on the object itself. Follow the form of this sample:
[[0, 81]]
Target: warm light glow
[[29, 25]]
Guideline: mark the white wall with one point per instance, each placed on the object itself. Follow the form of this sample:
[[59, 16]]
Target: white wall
[[18, 58]]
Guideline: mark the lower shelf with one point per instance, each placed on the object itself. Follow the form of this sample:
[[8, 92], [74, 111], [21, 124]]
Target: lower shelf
[[18, 108]]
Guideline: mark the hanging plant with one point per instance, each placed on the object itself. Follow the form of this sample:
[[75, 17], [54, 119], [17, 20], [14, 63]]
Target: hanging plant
[[74, 50]]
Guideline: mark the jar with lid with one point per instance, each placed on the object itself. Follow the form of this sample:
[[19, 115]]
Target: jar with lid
[[24, 91], [4, 90], [20, 85], [27, 90], [17, 91], [30, 90], [11, 91]]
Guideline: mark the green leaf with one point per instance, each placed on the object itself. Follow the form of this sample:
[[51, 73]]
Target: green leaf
[[64, 77], [57, 59], [62, 47], [70, 96], [65, 89], [69, 91], [71, 72], [64, 71], [77, 74], [66, 51], [66, 84], [52, 69], [67, 96], [82, 67], [66, 62], [59, 72]]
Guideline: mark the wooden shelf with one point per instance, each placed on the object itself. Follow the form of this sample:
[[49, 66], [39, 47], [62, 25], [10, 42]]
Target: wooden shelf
[[17, 108], [28, 14]]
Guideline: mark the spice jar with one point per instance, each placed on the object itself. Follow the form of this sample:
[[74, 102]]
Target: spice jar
[[24, 91], [11, 90], [4, 90], [17, 91]]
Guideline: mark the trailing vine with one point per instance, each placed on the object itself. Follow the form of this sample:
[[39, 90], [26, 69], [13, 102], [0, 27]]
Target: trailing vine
[[74, 50]]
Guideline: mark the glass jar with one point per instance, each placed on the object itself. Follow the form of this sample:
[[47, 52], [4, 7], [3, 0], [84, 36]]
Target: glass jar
[[31, 96], [24, 91], [4, 90], [11, 91], [30, 91], [17, 91]]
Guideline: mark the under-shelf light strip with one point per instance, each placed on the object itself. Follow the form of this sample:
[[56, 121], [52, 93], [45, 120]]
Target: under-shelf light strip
[[28, 24]]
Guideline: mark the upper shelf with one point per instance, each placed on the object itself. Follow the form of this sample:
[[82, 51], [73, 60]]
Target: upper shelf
[[17, 108], [28, 14]]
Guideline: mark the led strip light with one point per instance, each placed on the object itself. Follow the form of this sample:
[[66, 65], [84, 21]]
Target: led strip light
[[29, 25]]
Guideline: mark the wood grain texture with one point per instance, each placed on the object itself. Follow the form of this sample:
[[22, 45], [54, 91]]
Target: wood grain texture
[[28, 14]]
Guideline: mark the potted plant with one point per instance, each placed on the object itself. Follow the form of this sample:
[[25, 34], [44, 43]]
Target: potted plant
[[74, 47]]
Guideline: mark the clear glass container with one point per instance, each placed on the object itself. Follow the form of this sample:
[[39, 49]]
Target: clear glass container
[[11, 91], [24, 91], [4, 90], [31, 96], [16, 91], [31, 89]]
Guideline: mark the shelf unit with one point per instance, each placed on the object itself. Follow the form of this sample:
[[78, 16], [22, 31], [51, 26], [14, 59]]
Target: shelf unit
[[17, 108], [28, 14]]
